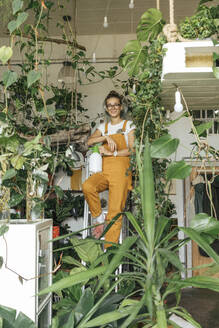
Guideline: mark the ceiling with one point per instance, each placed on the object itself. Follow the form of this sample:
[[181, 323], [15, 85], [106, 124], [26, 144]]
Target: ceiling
[[88, 15]]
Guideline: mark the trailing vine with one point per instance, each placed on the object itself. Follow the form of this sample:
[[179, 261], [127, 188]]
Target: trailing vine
[[147, 112]]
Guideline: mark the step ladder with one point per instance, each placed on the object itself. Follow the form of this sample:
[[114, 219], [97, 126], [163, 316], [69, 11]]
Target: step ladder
[[87, 215]]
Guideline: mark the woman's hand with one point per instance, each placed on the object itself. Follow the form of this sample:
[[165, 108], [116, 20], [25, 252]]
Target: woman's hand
[[111, 143], [104, 151]]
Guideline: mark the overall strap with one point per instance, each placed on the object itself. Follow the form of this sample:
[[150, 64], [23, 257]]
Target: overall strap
[[124, 126], [106, 128]]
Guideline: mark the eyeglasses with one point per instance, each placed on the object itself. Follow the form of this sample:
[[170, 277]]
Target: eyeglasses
[[110, 106]]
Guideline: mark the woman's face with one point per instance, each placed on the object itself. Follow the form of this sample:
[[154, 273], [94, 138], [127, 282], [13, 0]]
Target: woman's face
[[113, 107]]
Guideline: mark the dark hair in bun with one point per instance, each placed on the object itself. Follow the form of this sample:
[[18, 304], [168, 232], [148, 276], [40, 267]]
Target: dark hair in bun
[[113, 94]]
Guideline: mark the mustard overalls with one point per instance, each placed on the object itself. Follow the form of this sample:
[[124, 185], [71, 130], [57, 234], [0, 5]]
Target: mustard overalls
[[116, 177]]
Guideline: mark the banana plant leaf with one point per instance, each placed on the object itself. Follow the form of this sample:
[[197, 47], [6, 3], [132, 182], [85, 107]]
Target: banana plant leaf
[[202, 222], [164, 146]]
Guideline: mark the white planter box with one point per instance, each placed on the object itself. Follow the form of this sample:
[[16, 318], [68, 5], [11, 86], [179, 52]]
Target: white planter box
[[29, 255]]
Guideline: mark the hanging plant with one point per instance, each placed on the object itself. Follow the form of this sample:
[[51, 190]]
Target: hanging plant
[[201, 25]]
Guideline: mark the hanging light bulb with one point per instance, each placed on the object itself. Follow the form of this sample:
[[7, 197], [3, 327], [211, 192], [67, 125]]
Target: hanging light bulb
[[178, 105], [131, 4], [94, 57], [105, 22]]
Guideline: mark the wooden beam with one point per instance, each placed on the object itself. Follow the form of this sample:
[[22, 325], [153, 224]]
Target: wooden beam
[[59, 41]]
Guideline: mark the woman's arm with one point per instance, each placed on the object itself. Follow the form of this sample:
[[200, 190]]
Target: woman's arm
[[124, 152], [97, 137]]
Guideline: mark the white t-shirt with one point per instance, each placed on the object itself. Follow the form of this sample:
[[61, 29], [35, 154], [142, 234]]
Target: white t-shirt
[[117, 128]]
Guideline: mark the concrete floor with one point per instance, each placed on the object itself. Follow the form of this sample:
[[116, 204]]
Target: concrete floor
[[203, 305]]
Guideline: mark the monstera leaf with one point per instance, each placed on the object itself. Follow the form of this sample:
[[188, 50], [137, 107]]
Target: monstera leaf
[[133, 56], [150, 25]]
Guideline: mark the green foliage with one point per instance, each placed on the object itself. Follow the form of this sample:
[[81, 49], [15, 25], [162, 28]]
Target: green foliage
[[150, 25], [201, 25], [5, 54], [9, 77], [144, 66], [32, 77], [178, 170], [3, 229], [133, 57], [164, 146], [11, 320]]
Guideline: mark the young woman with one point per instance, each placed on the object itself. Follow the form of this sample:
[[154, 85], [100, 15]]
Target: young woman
[[117, 138]]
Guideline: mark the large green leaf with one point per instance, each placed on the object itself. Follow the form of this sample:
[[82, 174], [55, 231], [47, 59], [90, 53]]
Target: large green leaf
[[22, 321], [172, 258], [9, 77], [202, 222], [15, 24], [135, 310], [5, 54], [105, 318], [32, 77], [87, 249], [15, 199], [161, 224], [133, 57], [31, 146], [178, 170], [148, 200], [12, 25], [164, 146], [116, 260], [100, 304], [136, 225], [203, 127], [17, 161], [70, 322], [85, 304], [59, 192], [41, 175], [73, 280], [12, 144], [199, 282], [3, 229], [201, 242], [17, 5], [9, 174], [7, 313], [21, 18], [150, 25]]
